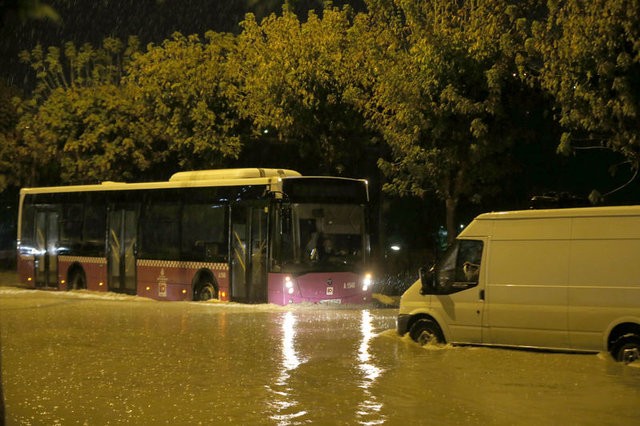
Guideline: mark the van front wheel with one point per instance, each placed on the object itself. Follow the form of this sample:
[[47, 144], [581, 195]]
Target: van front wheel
[[425, 331], [627, 348]]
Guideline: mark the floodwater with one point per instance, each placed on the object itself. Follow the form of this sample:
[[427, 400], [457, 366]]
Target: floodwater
[[86, 358]]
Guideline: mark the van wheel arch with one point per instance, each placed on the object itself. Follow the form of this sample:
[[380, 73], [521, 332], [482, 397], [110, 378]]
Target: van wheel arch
[[424, 329], [204, 286], [624, 337]]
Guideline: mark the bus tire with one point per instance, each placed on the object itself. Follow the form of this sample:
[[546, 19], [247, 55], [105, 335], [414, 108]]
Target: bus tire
[[204, 286], [77, 280], [426, 331], [206, 292], [627, 348]]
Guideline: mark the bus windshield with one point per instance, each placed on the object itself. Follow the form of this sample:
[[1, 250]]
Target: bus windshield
[[323, 237]]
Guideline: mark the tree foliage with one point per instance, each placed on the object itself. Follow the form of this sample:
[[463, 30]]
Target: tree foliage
[[88, 134], [8, 121], [78, 126], [290, 86], [437, 76], [590, 63], [115, 113], [73, 67], [185, 89]]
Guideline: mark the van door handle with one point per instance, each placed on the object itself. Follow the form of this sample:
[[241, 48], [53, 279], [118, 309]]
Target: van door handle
[[481, 295]]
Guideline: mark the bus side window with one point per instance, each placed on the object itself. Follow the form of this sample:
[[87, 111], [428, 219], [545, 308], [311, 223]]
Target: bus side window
[[203, 237], [95, 222], [160, 231], [71, 226]]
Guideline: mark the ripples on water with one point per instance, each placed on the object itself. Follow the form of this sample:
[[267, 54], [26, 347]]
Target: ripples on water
[[86, 358]]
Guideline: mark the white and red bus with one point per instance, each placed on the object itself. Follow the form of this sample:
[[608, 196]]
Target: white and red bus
[[245, 235]]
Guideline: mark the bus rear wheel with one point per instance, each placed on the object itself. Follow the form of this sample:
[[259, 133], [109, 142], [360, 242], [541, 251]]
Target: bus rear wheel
[[78, 281], [627, 348], [426, 331]]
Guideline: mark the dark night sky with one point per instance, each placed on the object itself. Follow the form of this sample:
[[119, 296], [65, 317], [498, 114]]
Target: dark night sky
[[151, 20]]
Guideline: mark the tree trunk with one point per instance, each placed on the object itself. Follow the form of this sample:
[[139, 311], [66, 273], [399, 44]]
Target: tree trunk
[[451, 204], [455, 183]]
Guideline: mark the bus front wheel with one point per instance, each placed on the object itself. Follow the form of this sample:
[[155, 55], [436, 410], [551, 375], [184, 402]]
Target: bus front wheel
[[425, 331], [206, 292]]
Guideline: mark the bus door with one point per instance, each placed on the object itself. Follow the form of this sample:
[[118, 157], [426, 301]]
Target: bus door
[[122, 250], [46, 257], [249, 252]]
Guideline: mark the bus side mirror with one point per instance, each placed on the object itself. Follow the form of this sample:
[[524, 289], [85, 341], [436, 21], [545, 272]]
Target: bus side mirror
[[427, 277]]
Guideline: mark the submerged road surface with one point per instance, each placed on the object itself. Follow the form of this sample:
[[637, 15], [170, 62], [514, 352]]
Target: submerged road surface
[[83, 358]]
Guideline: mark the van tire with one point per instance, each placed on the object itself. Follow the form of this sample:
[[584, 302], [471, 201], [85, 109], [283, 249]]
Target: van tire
[[627, 348], [425, 331]]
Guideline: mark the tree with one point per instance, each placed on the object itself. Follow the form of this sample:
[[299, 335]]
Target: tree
[[89, 134], [185, 89], [590, 63], [435, 79], [76, 128], [291, 88], [8, 121], [115, 113]]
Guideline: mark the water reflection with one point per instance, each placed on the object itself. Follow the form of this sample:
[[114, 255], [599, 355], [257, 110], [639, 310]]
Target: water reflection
[[142, 362], [369, 408], [285, 403]]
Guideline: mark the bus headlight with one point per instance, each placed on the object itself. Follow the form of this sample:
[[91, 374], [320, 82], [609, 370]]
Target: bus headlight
[[288, 284], [366, 282]]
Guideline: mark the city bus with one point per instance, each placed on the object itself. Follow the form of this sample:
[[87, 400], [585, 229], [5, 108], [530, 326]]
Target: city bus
[[243, 235]]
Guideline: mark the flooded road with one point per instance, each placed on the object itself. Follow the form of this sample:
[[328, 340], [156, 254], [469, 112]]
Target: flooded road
[[82, 358]]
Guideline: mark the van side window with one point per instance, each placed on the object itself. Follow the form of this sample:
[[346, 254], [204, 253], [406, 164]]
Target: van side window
[[468, 262], [460, 268]]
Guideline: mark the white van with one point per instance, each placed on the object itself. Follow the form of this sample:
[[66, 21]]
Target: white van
[[562, 279]]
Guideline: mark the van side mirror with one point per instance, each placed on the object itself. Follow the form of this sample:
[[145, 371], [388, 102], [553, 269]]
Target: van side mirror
[[427, 280]]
